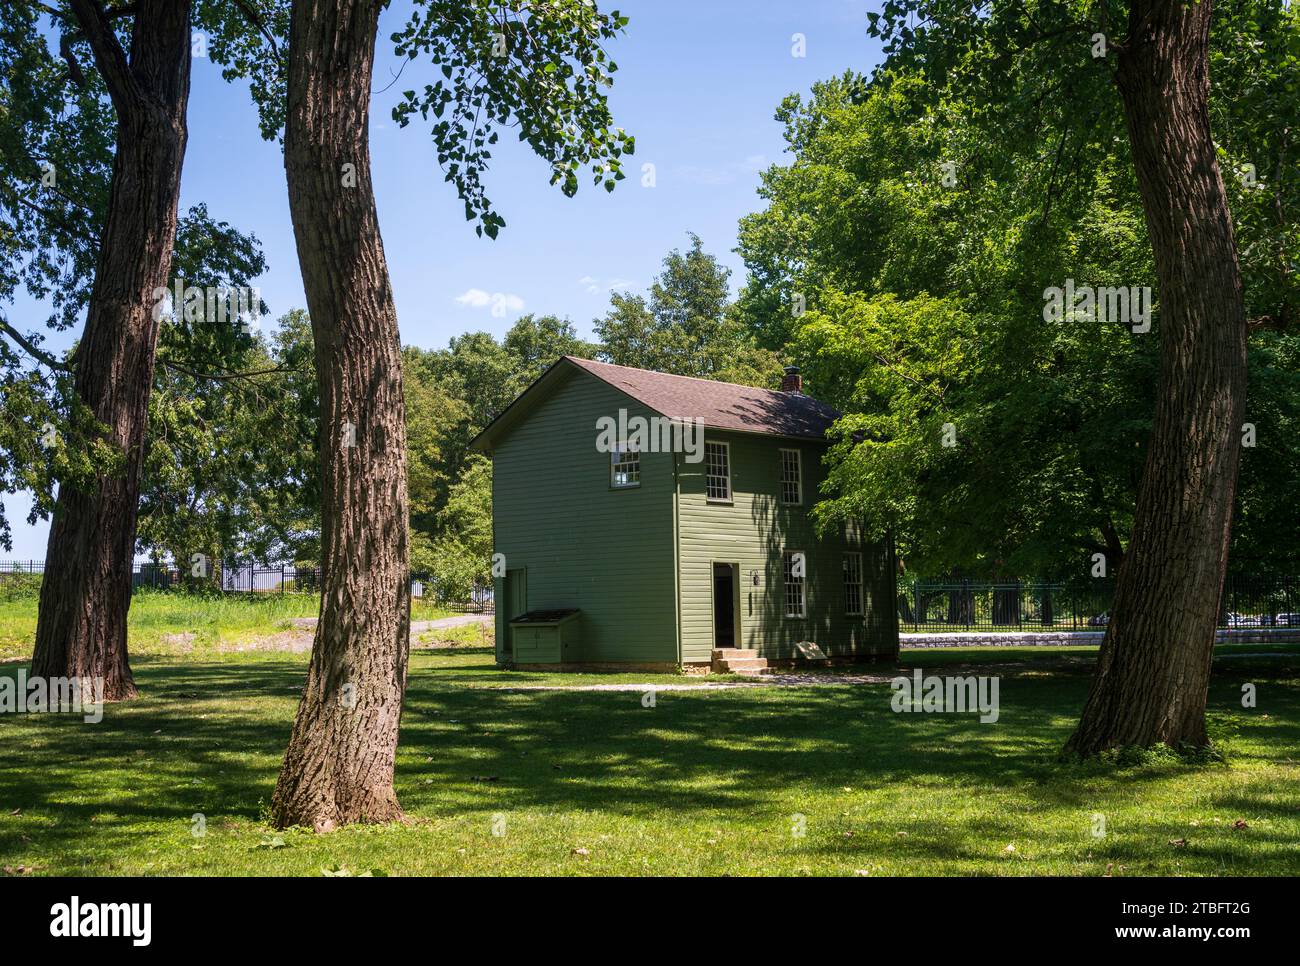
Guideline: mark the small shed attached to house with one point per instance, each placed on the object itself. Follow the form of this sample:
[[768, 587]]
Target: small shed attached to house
[[545, 636]]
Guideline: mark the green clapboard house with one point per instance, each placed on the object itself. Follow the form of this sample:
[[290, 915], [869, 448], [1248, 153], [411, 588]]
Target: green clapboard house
[[648, 519]]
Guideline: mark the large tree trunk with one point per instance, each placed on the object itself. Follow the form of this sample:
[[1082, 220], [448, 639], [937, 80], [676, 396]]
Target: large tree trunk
[[1006, 604], [339, 766], [86, 591], [1154, 668], [961, 603]]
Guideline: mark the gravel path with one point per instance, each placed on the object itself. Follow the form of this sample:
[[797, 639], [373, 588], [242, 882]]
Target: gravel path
[[298, 638], [418, 627], [793, 680], [460, 620]]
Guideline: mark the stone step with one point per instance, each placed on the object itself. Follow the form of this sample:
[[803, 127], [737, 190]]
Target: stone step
[[753, 665], [733, 653]]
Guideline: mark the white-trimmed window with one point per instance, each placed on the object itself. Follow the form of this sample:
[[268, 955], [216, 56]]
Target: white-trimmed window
[[795, 564], [624, 466], [717, 480], [791, 477], [853, 584]]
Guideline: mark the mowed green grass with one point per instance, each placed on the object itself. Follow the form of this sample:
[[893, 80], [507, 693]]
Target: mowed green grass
[[500, 781]]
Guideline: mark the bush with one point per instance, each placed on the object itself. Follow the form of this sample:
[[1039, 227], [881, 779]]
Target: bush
[[19, 586]]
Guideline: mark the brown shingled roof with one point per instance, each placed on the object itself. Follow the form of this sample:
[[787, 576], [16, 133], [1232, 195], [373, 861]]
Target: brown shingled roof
[[723, 405]]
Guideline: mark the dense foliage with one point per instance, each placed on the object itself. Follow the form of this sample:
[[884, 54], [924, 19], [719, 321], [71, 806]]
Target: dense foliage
[[901, 257], [921, 221], [232, 470], [685, 325], [57, 137]]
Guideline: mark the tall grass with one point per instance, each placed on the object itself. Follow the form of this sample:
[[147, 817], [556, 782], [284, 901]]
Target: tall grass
[[168, 621], [163, 616]]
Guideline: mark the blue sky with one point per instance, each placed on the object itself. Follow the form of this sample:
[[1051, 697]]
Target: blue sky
[[697, 86]]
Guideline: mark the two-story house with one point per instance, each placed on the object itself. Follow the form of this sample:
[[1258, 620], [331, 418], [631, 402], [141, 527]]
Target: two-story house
[[654, 520]]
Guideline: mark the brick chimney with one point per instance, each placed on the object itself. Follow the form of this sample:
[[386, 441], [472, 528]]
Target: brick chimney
[[792, 381]]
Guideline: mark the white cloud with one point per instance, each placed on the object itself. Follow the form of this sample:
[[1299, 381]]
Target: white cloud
[[728, 173], [710, 176], [498, 303], [598, 286]]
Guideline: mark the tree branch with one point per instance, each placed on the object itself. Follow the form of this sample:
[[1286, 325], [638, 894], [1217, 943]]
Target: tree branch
[[78, 230], [33, 350], [74, 69], [227, 376], [892, 367], [252, 16], [110, 59], [54, 12]]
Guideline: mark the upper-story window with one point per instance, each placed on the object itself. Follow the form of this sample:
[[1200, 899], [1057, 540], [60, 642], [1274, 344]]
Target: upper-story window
[[717, 462], [624, 466], [791, 477]]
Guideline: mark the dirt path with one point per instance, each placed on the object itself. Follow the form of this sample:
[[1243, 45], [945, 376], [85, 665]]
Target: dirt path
[[298, 638], [460, 620], [417, 627]]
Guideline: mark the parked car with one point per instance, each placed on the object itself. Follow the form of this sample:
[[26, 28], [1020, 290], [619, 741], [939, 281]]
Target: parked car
[[1101, 620]]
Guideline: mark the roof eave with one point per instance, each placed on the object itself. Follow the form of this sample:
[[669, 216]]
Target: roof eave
[[484, 441]]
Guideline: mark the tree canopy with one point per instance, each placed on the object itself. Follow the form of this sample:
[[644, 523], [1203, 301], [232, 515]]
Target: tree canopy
[[685, 325], [921, 222]]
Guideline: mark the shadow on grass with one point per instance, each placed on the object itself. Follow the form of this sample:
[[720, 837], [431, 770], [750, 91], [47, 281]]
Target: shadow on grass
[[204, 738], [208, 738]]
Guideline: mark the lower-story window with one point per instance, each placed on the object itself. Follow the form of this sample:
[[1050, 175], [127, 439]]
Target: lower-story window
[[795, 565], [853, 584]]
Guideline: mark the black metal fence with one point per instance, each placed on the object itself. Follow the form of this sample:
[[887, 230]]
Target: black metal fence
[[1024, 605], [480, 601], [261, 579], [22, 567], [156, 576]]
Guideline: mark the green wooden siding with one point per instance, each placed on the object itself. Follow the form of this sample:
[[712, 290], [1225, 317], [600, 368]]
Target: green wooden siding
[[753, 530], [582, 543], [638, 562]]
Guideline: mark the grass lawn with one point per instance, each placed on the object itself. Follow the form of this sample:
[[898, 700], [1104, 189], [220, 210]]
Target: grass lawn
[[703, 782], [161, 622]]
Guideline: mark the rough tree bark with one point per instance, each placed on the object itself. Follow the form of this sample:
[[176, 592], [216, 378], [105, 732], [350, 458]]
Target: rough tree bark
[[86, 590], [339, 765], [1006, 604], [1153, 671]]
